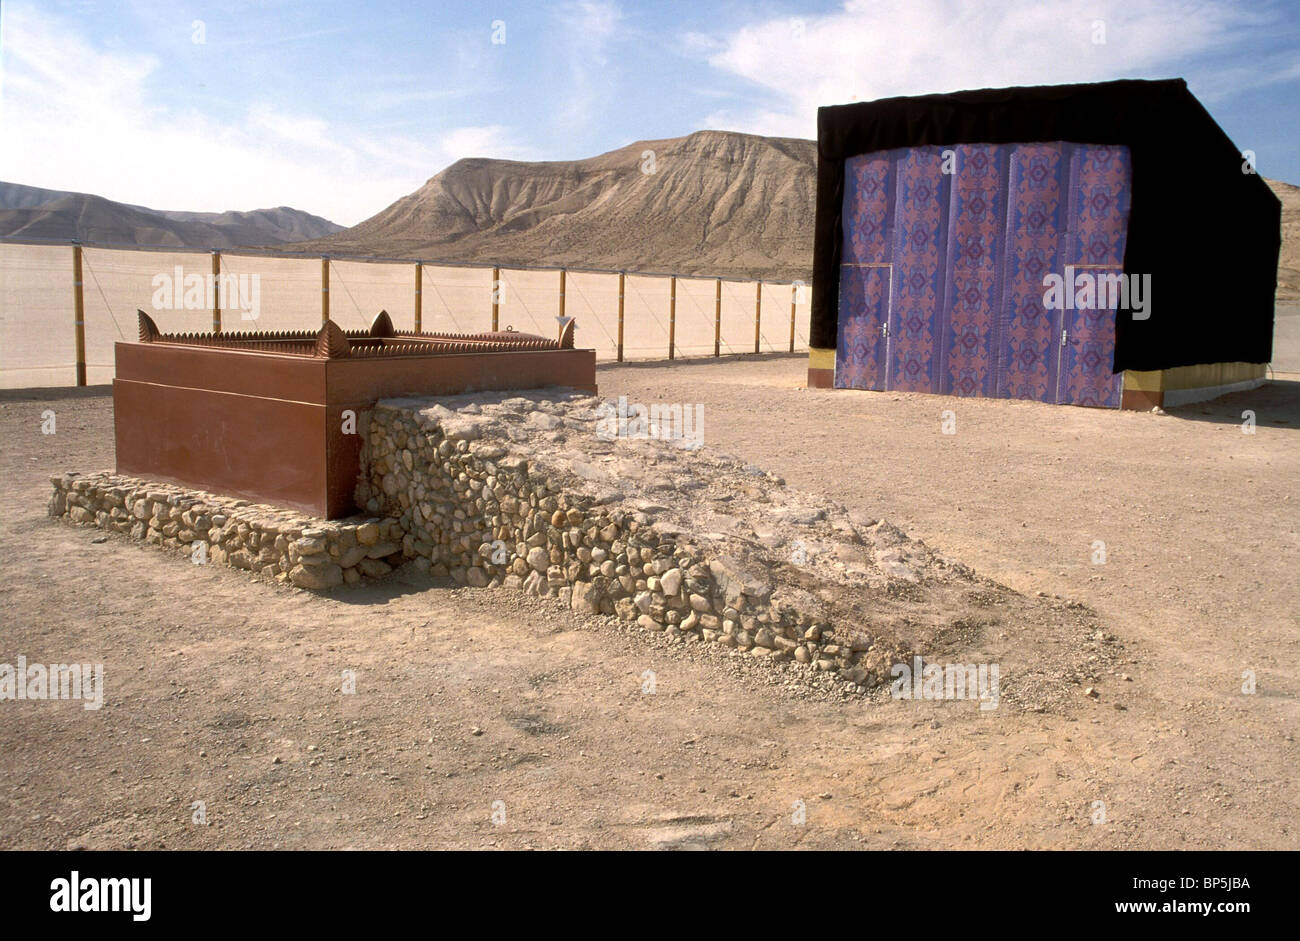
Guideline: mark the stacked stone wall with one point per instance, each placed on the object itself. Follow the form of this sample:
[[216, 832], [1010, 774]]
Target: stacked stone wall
[[307, 552]]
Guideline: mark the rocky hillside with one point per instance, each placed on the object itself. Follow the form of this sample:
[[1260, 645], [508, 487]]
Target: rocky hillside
[[32, 212], [1288, 268], [711, 203]]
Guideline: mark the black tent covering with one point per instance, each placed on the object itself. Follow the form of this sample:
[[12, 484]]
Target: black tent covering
[[1208, 233]]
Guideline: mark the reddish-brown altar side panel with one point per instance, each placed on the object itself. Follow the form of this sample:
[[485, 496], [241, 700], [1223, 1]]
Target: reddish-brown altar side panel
[[369, 379], [261, 449], [343, 450], [266, 375]]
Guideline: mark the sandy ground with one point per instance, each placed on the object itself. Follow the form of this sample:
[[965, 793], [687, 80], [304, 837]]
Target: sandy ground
[[226, 690]]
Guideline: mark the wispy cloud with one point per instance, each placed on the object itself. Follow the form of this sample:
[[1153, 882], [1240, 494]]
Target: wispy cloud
[[76, 116], [280, 39], [385, 98], [882, 48], [587, 28], [493, 140]]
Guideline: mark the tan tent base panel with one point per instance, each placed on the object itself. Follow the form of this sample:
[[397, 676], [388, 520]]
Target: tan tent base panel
[[1143, 390], [1184, 385], [821, 369]]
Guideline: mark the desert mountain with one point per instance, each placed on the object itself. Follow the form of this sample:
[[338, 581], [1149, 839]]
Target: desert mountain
[[32, 212], [711, 203]]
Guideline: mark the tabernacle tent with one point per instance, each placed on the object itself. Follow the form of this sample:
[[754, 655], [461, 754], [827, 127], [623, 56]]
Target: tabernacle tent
[[1088, 244]]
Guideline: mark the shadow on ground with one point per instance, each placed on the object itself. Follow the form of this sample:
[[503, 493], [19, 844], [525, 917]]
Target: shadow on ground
[[1276, 402], [57, 394]]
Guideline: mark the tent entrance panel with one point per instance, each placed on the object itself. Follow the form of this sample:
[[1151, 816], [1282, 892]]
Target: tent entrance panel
[[865, 273], [1100, 188], [1029, 334], [862, 347], [920, 257], [973, 285], [1088, 349]]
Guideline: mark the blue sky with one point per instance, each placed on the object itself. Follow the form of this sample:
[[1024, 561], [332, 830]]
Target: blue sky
[[339, 108]]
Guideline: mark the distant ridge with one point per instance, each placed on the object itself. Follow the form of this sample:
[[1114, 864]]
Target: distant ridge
[[33, 212]]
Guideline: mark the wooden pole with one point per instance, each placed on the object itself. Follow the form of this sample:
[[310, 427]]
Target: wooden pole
[[672, 316], [496, 299], [717, 319], [621, 276], [562, 273], [216, 291], [794, 294], [419, 297], [758, 314], [324, 288], [79, 311]]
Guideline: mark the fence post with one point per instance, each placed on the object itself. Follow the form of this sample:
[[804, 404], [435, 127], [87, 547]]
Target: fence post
[[794, 295], [79, 310], [216, 291], [672, 316], [758, 314], [621, 276], [562, 273], [717, 319], [496, 299], [419, 297], [324, 288]]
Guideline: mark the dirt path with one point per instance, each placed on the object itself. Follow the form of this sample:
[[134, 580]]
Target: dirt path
[[464, 698]]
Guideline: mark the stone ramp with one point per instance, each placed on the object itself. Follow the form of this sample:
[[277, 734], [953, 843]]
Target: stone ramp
[[562, 494]]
